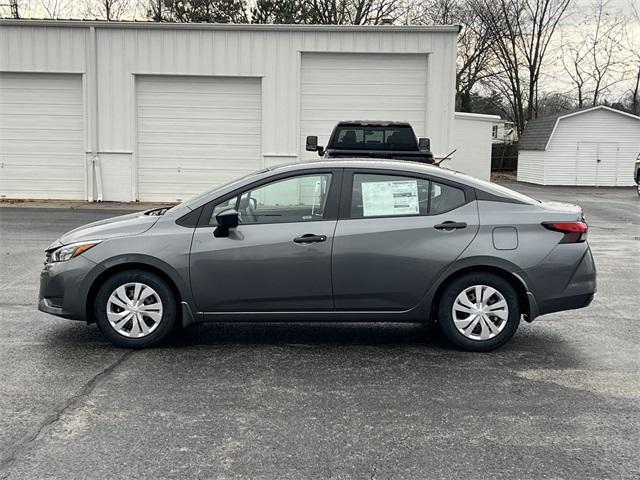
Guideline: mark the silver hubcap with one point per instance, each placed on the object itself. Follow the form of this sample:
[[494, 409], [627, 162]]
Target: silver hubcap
[[480, 312], [134, 310]]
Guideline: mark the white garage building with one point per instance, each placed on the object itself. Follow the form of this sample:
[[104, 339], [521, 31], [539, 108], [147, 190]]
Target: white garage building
[[159, 112], [594, 147]]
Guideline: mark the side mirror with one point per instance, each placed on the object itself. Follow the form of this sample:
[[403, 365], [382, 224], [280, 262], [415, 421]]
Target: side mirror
[[424, 144], [312, 143], [227, 219]]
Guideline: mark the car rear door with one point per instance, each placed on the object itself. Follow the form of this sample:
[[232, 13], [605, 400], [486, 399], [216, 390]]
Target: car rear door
[[396, 233], [279, 256]]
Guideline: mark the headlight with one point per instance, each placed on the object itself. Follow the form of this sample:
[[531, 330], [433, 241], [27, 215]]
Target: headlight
[[66, 252]]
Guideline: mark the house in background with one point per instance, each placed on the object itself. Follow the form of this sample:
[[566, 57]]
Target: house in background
[[162, 111], [504, 131], [596, 147]]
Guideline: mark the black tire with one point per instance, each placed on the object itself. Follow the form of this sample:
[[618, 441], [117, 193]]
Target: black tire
[[168, 302], [459, 285]]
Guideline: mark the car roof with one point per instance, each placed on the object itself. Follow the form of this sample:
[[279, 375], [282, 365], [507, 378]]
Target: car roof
[[383, 164]]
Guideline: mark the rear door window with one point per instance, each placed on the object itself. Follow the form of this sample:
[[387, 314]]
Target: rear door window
[[379, 195], [375, 195]]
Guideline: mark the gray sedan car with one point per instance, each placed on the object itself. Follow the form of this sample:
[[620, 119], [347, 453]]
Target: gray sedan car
[[342, 240]]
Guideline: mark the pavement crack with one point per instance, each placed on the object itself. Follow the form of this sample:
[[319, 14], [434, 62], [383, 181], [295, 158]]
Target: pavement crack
[[23, 445]]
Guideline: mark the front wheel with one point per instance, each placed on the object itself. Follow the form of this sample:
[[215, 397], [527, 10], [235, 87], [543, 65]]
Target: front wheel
[[479, 312], [135, 309]]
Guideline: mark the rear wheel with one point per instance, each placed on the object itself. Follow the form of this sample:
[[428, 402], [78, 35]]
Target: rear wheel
[[135, 309], [479, 312]]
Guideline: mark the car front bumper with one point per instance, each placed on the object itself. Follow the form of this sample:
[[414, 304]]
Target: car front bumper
[[64, 287]]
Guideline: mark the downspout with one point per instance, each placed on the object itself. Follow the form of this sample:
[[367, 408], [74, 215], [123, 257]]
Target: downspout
[[95, 172]]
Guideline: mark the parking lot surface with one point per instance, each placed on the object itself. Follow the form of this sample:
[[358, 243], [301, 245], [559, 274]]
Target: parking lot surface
[[561, 400]]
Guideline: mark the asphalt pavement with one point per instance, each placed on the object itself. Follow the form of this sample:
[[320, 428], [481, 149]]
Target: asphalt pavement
[[277, 401]]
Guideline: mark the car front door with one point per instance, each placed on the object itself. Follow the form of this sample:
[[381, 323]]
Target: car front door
[[279, 256], [395, 234]]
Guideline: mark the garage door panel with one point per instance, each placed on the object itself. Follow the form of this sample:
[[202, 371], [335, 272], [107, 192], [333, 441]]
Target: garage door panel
[[195, 133], [32, 110], [45, 123], [379, 61], [200, 152], [336, 87], [42, 149], [195, 125], [206, 84], [340, 77], [366, 90], [50, 135], [195, 113], [240, 102], [42, 136], [194, 139], [359, 102]]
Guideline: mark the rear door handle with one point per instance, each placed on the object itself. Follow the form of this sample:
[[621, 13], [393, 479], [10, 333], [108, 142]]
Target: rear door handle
[[310, 238], [450, 226]]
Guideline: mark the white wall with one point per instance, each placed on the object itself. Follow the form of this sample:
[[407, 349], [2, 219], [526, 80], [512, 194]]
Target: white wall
[[110, 55], [472, 139], [531, 166]]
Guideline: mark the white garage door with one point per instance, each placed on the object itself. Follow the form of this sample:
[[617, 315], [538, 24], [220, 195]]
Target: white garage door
[[195, 133], [341, 86], [41, 136]]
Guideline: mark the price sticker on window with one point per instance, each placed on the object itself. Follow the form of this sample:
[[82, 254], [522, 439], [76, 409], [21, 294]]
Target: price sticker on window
[[398, 197]]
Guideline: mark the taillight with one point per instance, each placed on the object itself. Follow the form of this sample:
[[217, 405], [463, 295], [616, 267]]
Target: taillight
[[574, 232]]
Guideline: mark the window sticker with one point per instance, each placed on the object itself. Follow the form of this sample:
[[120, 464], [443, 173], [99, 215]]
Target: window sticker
[[398, 197]]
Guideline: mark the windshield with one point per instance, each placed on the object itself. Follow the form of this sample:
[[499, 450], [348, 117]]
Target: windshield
[[364, 137], [198, 197]]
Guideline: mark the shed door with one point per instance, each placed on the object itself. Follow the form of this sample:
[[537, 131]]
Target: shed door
[[597, 163], [360, 86], [41, 136], [195, 133]]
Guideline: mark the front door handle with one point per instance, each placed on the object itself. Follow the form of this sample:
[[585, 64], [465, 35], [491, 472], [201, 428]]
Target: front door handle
[[310, 238], [450, 226]]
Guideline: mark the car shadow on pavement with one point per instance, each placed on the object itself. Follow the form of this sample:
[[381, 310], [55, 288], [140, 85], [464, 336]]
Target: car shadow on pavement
[[534, 347]]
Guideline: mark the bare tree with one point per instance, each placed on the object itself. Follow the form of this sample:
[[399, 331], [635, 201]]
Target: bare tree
[[632, 48], [353, 12], [574, 61], [521, 32], [605, 46], [474, 42], [108, 9], [15, 9], [57, 8], [210, 11]]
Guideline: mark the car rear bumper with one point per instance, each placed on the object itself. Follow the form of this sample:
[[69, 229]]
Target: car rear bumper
[[578, 292]]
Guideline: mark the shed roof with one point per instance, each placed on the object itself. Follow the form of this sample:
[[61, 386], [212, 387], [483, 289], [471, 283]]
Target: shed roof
[[538, 132]]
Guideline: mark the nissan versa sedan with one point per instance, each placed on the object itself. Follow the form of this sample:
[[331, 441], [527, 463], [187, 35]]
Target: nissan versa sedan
[[339, 240]]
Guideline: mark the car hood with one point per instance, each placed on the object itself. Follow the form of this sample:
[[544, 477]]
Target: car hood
[[121, 226]]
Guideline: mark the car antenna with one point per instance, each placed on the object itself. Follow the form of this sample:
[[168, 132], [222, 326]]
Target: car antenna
[[446, 156]]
